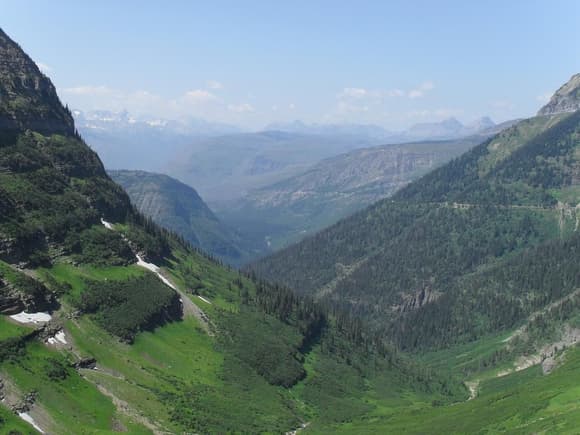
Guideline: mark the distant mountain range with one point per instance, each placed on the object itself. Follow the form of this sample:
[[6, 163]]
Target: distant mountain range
[[226, 168], [449, 128], [125, 141]]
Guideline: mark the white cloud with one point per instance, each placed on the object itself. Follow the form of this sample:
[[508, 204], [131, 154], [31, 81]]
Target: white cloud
[[291, 106], [44, 67], [421, 90], [274, 108], [200, 96], [345, 107], [214, 84], [353, 93], [241, 108], [435, 114], [89, 90]]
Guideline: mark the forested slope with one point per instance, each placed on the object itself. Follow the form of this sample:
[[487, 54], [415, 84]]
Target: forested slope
[[438, 263], [109, 323]]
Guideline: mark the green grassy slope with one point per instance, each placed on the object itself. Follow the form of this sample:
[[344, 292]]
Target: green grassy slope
[[521, 403]]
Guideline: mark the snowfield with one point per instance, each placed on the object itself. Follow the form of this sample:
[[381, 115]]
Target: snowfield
[[35, 318], [27, 418], [59, 337], [155, 269]]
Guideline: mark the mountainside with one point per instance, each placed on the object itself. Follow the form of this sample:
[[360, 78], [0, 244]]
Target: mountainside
[[28, 99], [225, 168], [110, 324], [179, 208], [470, 249], [566, 99], [334, 188]]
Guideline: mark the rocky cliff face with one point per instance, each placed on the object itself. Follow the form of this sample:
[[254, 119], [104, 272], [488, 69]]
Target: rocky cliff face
[[53, 187], [28, 99], [179, 208], [566, 99], [289, 210]]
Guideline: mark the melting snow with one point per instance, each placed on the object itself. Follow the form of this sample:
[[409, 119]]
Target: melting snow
[[27, 418], [59, 337], [107, 225], [155, 269], [36, 318], [204, 299], [140, 262]]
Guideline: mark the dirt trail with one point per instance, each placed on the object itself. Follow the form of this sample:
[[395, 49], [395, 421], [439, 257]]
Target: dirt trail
[[129, 411]]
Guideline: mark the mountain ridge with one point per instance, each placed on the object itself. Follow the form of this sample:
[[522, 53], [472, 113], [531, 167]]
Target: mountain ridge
[[28, 99], [566, 99], [412, 263]]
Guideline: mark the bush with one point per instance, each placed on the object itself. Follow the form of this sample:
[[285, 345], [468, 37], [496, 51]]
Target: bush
[[124, 308]]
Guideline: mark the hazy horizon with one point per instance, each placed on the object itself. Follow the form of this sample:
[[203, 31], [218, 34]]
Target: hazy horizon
[[254, 64]]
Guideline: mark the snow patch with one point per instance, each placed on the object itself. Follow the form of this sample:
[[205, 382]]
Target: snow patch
[[204, 299], [107, 225], [59, 337], [27, 418], [35, 318], [155, 269]]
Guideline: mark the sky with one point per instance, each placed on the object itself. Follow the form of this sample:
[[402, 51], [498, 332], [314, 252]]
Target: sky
[[250, 63]]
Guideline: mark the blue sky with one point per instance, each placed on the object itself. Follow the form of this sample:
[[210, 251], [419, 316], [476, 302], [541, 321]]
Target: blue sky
[[393, 63]]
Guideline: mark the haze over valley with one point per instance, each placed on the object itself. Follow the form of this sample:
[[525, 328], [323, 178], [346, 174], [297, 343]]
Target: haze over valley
[[305, 218]]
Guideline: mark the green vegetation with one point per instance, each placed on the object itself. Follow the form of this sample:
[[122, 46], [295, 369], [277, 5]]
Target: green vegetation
[[521, 403], [471, 249], [125, 307], [291, 209], [71, 402], [12, 425], [260, 358]]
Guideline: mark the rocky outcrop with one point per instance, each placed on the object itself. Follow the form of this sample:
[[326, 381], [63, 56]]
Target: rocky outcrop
[[416, 300], [24, 294], [28, 100], [566, 99], [85, 363]]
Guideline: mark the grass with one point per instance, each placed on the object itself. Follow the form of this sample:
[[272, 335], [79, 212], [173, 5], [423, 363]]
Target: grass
[[76, 275], [12, 424], [74, 405], [177, 377], [465, 357], [9, 329], [523, 402]]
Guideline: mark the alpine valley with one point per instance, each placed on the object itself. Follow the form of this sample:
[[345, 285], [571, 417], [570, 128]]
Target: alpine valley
[[111, 324], [452, 306]]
